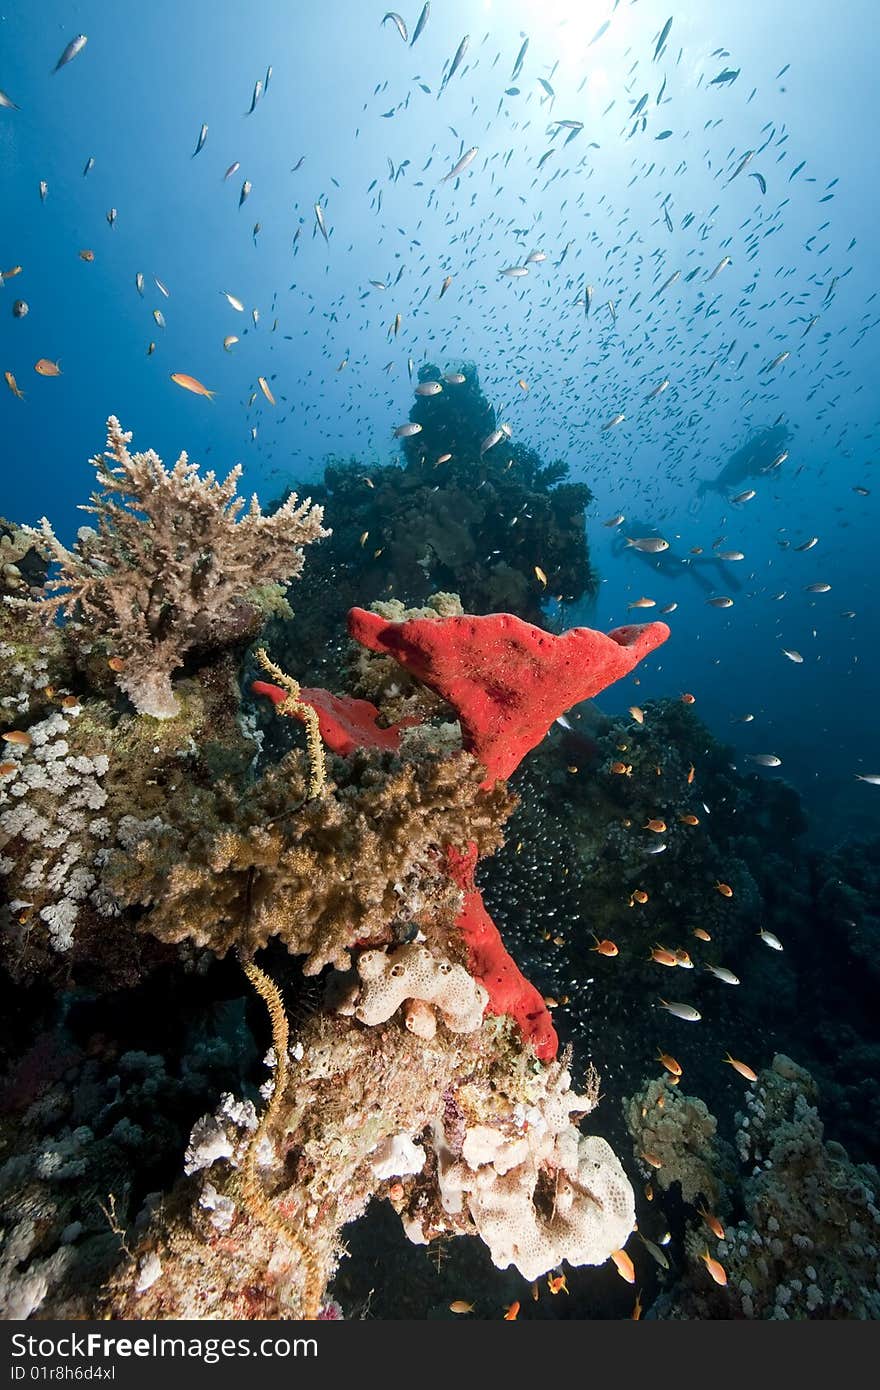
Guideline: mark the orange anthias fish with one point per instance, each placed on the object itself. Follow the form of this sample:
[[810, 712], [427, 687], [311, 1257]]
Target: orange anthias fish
[[639, 896], [189, 383], [712, 1222], [605, 948], [689, 819], [669, 1063], [692, 772], [716, 1270], [460, 1306], [725, 890], [87, 255], [556, 1283], [19, 737], [46, 368], [511, 1313], [624, 1265], [653, 1161], [658, 826], [701, 934], [13, 385], [662, 956], [741, 1067]]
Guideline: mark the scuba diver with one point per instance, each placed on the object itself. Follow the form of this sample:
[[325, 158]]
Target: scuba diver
[[761, 454], [673, 566]]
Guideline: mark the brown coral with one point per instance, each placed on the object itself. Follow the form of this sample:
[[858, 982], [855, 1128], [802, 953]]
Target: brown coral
[[226, 869], [172, 566]]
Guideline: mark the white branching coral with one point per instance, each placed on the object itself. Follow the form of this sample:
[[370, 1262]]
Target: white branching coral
[[172, 566]]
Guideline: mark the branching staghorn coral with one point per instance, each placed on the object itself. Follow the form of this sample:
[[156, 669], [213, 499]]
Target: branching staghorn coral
[[172, 566]]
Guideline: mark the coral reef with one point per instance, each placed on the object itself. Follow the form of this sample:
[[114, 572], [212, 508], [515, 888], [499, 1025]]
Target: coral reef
[[808, 1242], [450, 518], [172, 567]]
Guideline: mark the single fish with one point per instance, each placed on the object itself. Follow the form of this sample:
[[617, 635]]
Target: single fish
[[90, 164], [746, 159], [687, 1012], [111, 217], [454, 378], [429, 388], [819, 588], [654, 1251], [8, 102], [520, 57], [491, 440], [422, 21], [322, 226], [236, 303], [13, 385], [744, 496], [203, 135], [664, 35], [189, 383], [515, 272], [258, 92], [793, 656], [617, 419], [658, 390], [445, 286], [75, 46], [229, 341], [467, 158], [649, 545], [770, 939], [159, 317], [139, 283], [666, 283], [398, 24], [406, 431], [615, 520], [46, 368], [245, 191], [161, 288], [44, 189], [264, 387], [761, 181], [457, 61], [722, 264], [233, 168], [722, 973], [873, 778]]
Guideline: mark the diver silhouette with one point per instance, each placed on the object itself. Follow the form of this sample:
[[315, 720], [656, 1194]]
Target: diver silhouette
[[673, 566]]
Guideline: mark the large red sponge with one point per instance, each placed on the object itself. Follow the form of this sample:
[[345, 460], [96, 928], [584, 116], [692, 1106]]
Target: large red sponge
[[506, 679]]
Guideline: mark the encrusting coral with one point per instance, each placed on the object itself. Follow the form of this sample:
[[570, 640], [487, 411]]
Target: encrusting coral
[[172, 566]]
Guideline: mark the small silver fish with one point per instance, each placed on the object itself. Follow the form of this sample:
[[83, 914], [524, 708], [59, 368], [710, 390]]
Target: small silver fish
[[721, 602], [429, 388], [161, 288], [722, 264], [764, 759], [807, 545], [648, 545], [75, 46], [398, 23], [744, 496], [8, 102], [658, 390], [871, 777], [490, 441], [139, 282], [793, 656], [687, 1012], [111, 216], [233, 168], [722, 973], [819, 588], [203, 135], [44, 189], [258, 92], [654, 1250], [615, 420], [322, 226], [515, 272], [771, 940], [405, 431], [615, 520], [245, 191], [90, 164], [467, 158], [422, 21]]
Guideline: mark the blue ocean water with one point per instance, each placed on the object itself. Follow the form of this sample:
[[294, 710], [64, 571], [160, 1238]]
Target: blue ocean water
[[362, 124]]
